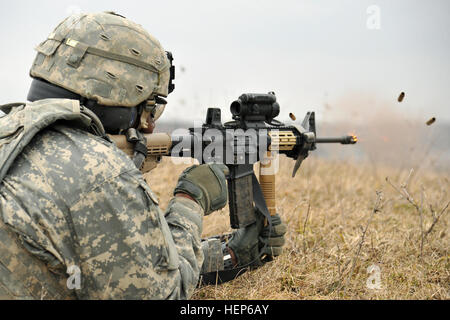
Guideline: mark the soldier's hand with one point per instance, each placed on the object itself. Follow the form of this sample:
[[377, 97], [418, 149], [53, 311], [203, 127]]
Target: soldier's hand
[[206, 184], [275, 240], [253, 245]]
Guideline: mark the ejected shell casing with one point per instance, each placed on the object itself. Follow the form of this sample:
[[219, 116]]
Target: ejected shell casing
[[292, 116], [431, 121], [401, 97]]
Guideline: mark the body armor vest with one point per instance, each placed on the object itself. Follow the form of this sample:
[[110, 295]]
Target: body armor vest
[[23, 275]]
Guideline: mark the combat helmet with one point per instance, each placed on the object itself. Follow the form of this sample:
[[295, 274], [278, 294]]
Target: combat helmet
[[110, 63]]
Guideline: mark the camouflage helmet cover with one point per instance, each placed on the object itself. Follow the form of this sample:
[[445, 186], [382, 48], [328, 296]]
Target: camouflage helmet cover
[[104, 57]]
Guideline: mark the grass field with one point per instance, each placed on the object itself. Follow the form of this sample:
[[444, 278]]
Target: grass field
[[344, 220]]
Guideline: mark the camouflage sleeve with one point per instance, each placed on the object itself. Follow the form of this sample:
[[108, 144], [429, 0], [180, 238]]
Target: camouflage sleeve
[[130, 250], [184, 218]]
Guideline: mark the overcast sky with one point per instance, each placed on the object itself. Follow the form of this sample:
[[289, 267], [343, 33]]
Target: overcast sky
[[311, 53]]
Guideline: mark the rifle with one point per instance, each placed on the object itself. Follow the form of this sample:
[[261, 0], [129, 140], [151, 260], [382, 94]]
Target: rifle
[[254, 135]]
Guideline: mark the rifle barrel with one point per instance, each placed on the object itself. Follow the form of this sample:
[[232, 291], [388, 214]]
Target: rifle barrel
[[341, 140]]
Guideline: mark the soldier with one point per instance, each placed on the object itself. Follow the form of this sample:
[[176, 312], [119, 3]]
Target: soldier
[[75, 211]]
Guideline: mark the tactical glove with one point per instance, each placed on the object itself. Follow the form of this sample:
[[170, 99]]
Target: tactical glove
[[206, 184], [253, 245], [275, 241]]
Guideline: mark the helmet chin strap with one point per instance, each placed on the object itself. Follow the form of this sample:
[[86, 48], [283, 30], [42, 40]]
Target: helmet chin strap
[[146, 113], [153, 108]]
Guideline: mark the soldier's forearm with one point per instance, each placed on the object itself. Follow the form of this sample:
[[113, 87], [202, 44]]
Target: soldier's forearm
[[184, 195], [184, 218]]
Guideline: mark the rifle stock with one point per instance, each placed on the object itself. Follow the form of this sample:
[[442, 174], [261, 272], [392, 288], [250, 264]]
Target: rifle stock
[[158, 145]]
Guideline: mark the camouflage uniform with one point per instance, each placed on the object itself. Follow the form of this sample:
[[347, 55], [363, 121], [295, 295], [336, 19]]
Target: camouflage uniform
[[74, 199], [70, 198]]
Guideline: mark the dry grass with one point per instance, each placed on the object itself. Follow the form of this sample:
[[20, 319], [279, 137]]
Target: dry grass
[[349, 227]]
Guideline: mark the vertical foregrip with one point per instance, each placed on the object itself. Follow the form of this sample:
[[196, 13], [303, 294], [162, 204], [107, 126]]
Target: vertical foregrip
[[267, 181]]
